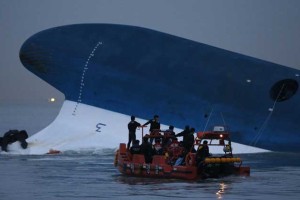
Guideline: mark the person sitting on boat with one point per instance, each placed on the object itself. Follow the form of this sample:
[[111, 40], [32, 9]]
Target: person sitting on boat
[[146, 149], [227, 150], [181, 158], [202, 153], [174, 143], [168, 134], [158, 147], [136, 148], [132, 125], [174, 150], [154, 126]]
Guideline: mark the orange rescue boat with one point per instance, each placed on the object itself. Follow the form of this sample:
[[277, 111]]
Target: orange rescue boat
[[219, 165]]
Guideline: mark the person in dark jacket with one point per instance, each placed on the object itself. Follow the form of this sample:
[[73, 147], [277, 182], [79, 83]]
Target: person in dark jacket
[[188, 141], [184, 132], [146, 149], [154, 126], [202, 153], [132, 125], [188, 137], [136, 148]]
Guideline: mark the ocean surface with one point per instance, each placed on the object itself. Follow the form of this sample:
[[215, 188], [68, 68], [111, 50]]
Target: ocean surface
[[91, 174]]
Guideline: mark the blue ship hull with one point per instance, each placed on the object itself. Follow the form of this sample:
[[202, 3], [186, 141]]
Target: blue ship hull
[[133, 70]]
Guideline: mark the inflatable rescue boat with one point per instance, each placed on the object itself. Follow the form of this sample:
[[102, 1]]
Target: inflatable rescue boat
[[163, 166]]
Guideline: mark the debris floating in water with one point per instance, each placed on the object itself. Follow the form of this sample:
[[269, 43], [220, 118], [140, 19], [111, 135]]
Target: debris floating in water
[[53, 151]]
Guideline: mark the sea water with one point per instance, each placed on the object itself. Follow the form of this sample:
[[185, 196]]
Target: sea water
[[92, 175]]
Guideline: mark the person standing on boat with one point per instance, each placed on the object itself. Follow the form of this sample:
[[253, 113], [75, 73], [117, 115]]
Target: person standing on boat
[[170, 131], [154, 126], [188, 137], [202, 153], [184, 132], [132, 125], [188, 141], [146, 149]]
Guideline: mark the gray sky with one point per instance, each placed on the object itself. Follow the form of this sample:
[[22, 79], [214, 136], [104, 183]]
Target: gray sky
[[266, 29]]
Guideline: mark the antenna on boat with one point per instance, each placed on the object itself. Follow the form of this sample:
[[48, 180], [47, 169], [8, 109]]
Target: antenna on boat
[[223, 119], [208, 119]]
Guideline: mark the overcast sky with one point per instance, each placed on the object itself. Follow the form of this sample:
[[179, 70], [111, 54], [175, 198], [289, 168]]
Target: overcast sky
[[265, 29]]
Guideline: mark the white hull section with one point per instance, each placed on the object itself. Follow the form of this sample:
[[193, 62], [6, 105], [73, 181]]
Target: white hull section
[[90, 128]]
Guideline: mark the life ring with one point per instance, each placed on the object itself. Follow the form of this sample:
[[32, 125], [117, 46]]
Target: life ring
[[190, 159], [116, 158]]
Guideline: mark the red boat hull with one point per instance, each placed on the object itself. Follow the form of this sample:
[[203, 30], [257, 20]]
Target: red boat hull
[[134, 165]]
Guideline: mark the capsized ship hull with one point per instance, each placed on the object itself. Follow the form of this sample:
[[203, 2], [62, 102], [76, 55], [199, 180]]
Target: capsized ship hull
[[134, 70]]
